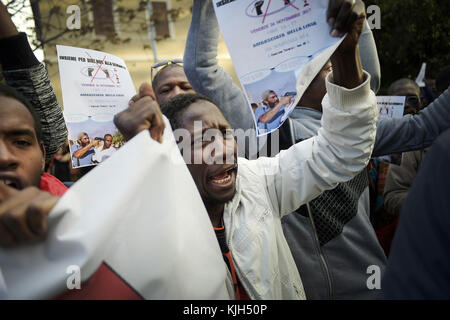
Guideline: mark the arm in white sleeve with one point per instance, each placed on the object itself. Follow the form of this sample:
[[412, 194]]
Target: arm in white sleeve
[[340, 151]]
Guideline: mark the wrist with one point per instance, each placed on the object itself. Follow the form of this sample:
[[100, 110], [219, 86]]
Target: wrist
[[347, 68]]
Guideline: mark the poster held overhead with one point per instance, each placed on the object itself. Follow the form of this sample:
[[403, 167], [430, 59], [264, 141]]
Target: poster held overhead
[[277, 48]]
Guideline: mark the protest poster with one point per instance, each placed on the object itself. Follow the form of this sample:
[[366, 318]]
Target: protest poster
[[95, 86], [390, 106], [124, 240], [277, 48]]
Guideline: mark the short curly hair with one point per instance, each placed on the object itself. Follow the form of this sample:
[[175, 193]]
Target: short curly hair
[[163, 70], [174, 107], [7, 91]]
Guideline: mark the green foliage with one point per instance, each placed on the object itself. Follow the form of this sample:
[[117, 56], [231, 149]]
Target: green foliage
[[118, 139], [412, 32]]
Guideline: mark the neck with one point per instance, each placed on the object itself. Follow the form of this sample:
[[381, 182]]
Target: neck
[[310, 102], [215, 212]]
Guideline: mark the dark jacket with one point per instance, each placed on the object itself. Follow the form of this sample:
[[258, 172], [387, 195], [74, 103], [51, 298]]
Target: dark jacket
[[419, 262]]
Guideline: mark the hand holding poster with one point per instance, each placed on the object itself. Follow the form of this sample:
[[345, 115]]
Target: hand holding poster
[[277, 47], [95, 86], [120, 234]]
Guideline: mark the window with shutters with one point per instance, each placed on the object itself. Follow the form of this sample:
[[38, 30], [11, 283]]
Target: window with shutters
[[160, 20], [103, 17]]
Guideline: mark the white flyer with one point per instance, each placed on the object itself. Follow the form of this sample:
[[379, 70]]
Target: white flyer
[[277, 48], [121, 234], [390, 106], [95, 86]]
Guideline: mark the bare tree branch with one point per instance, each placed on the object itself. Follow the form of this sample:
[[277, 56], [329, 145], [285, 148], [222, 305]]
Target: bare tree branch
[[42, 43]]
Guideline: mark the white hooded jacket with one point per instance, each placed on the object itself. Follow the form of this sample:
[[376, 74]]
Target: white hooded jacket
[[268, 188]]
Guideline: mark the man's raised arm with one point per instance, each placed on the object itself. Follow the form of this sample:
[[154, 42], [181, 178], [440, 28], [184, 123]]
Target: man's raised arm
[[203, 71], [345, 141], [208, 78]]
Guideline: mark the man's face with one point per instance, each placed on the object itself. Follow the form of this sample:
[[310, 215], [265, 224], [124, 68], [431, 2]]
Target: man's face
[[22, 157], [108, 142], [171, 82], [216, 182], [412, 103], [272, 99], [85, 140]]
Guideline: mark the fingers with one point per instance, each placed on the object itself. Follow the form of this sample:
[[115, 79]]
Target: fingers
[[337, 16], [145, 114], [38, 212], [6, 237], [150, 111], [334, 7], [23, 217], [342, 14], [14, 221], [146, 90], [286, 100], [157, 128], [133, 100], [341, 25], [6, 192]]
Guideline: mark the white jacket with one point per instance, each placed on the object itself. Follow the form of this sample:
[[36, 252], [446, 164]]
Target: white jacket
[[268, 188]]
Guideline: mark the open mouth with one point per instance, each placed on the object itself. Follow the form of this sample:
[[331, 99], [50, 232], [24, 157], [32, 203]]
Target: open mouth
[[10, 182], [224, 178]]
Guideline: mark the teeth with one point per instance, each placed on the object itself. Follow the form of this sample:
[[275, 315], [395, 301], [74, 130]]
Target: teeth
[[6, 182], [226, 179]]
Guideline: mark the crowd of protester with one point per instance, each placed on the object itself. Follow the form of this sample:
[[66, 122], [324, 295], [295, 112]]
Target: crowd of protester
[[334, 206]]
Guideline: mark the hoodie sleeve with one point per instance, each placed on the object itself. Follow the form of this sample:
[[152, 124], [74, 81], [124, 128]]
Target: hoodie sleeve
[[340, 151], [23, 72]]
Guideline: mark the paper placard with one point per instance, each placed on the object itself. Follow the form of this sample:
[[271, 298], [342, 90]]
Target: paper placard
[[277, 48], [390, 106], [95, 86]]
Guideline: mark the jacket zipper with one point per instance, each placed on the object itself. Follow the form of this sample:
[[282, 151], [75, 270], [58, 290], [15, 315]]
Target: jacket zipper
[[327, 271]]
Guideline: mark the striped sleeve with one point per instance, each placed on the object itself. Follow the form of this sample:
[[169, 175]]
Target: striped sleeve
[[34, 83]]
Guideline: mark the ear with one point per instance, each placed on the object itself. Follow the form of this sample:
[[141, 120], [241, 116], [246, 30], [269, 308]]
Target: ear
[[41, 146]]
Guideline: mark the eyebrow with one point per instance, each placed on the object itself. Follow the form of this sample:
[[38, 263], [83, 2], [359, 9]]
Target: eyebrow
[[220, 128], [21, 132]]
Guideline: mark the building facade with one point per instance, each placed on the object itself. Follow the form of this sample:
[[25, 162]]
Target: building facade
[[122, 28]]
